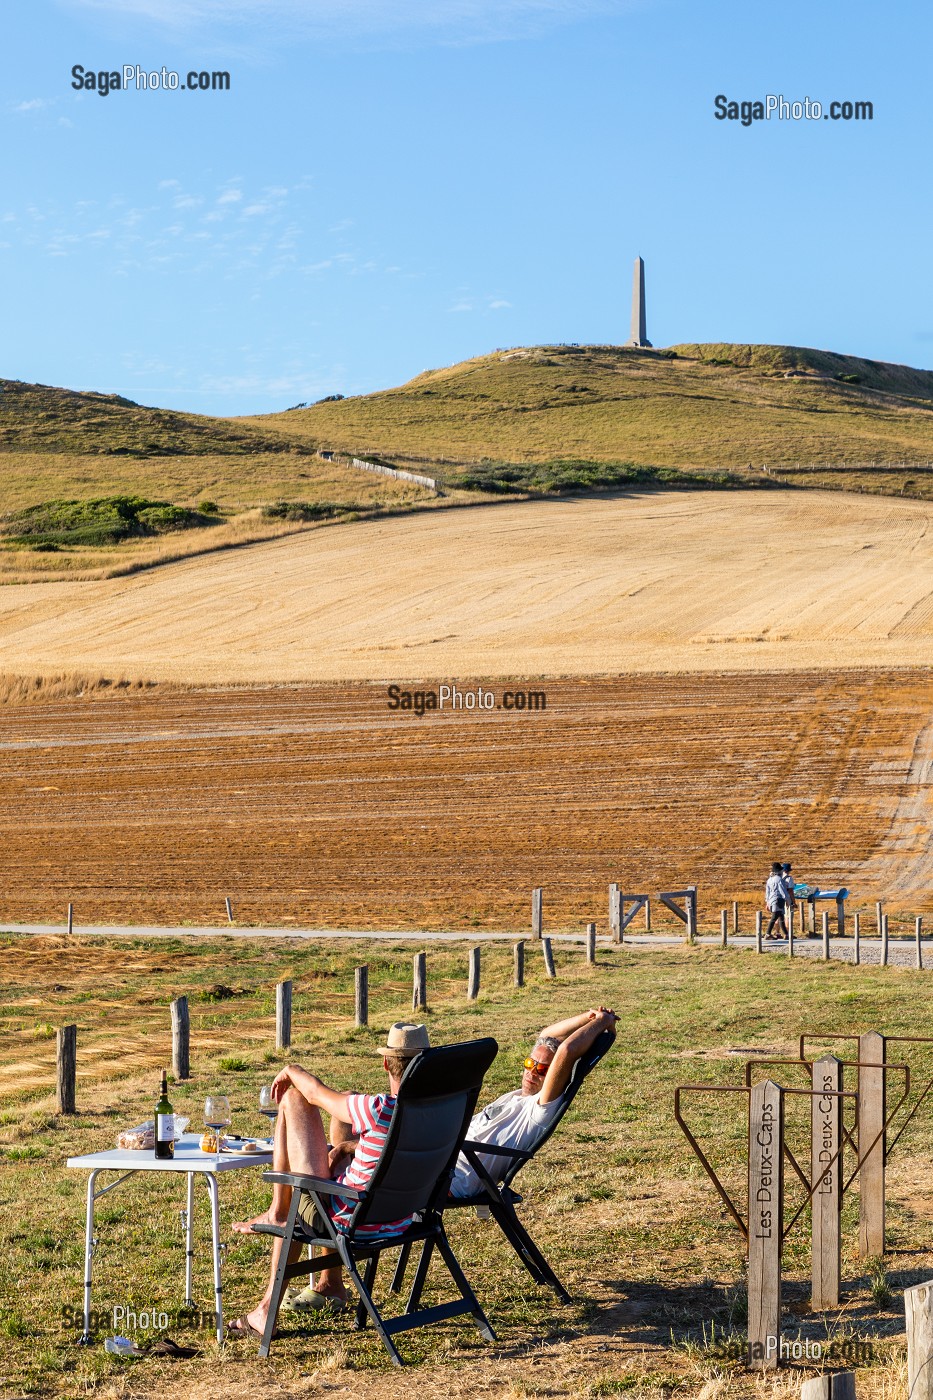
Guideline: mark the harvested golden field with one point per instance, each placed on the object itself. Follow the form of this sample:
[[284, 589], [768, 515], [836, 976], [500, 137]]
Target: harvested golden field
[[321, 807], [662, 581]]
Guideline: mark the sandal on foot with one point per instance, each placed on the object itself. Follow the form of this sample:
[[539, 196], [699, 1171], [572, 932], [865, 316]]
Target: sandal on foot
[[242, 1327]]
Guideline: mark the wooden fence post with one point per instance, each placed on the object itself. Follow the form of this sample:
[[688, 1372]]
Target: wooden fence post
[[765, 1223], [71, 919], [735, 916], [825, 936], [361, 995], [841, 917], [878, 914], [918, 935], [871, 1115], [918, 1314], [181, 1039], [591, 943], [518, 963], [419, 990], [691, 933], [647, 916], [856, 937], [811, 917], [832, 1385], [229, 909], [884, 940], [615, 914], [825, 1142], [537, 912], [66, 1056], [283, 1014], [724, 926], [548, 957], [473, 984], [757, 930]]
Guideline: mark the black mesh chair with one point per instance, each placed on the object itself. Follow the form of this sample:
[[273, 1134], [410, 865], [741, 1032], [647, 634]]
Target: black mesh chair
[[436, 1100], [498, 1197]]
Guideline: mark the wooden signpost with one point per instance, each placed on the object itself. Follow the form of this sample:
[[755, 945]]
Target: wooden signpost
[[918, 1312], [826, 1168], [872, 1109], [765, 1223]]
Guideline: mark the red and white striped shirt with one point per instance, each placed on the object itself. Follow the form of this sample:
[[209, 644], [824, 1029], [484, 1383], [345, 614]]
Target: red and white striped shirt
[[370, 1115]]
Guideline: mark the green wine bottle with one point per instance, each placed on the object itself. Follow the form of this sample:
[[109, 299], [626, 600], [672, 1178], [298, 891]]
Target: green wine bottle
[[164, 1124]]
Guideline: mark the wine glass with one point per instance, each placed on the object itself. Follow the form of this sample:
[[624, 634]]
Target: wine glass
[[217, 1115], [267, 1104]]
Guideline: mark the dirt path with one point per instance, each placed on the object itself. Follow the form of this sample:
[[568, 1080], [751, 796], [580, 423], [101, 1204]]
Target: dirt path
[[594, 585]]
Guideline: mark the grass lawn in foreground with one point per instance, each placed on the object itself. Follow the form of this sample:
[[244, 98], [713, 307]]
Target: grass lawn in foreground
[[617, 1200]]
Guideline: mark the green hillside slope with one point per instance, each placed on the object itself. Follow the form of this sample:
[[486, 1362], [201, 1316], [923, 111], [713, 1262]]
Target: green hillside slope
[[706, 407]]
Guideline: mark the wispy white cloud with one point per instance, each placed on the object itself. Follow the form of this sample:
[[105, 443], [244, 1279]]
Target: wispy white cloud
[[34, 104], [237, 232], [465, 302]]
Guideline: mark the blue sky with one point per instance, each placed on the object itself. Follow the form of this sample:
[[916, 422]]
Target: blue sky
[[387, 188]]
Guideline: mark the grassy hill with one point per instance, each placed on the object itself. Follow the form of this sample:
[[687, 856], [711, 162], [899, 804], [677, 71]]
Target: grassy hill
[[92, 484], [541, 419], [706, 408]]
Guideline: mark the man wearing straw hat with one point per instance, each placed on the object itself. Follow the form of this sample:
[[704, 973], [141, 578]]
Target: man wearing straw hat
[[358, 1127]]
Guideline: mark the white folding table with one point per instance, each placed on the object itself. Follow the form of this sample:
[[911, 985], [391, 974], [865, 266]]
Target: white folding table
[[188, 1159]]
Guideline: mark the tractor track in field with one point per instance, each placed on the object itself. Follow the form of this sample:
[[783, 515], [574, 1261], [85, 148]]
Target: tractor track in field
[[319, 807]]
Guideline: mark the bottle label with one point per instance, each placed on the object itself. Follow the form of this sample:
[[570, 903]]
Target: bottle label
[[165, 1127]]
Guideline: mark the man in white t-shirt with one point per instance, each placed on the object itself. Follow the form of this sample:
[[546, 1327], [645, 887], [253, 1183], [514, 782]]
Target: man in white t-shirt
[[520, 1117]]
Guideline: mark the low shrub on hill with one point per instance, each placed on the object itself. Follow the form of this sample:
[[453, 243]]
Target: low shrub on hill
[[565, 474], [105, 521], [304, 510]]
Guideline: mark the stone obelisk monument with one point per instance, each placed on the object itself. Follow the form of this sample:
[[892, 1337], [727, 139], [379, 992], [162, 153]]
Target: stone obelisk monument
[[639, 333]]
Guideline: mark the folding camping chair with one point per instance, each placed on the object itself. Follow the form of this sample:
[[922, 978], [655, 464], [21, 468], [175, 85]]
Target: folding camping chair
[[436, 1099], [499, 1198]]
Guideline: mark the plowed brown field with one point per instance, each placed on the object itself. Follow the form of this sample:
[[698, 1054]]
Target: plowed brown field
[[319, 806]]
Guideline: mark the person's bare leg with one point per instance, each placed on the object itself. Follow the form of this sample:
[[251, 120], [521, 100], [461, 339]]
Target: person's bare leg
[[300, 1146]]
